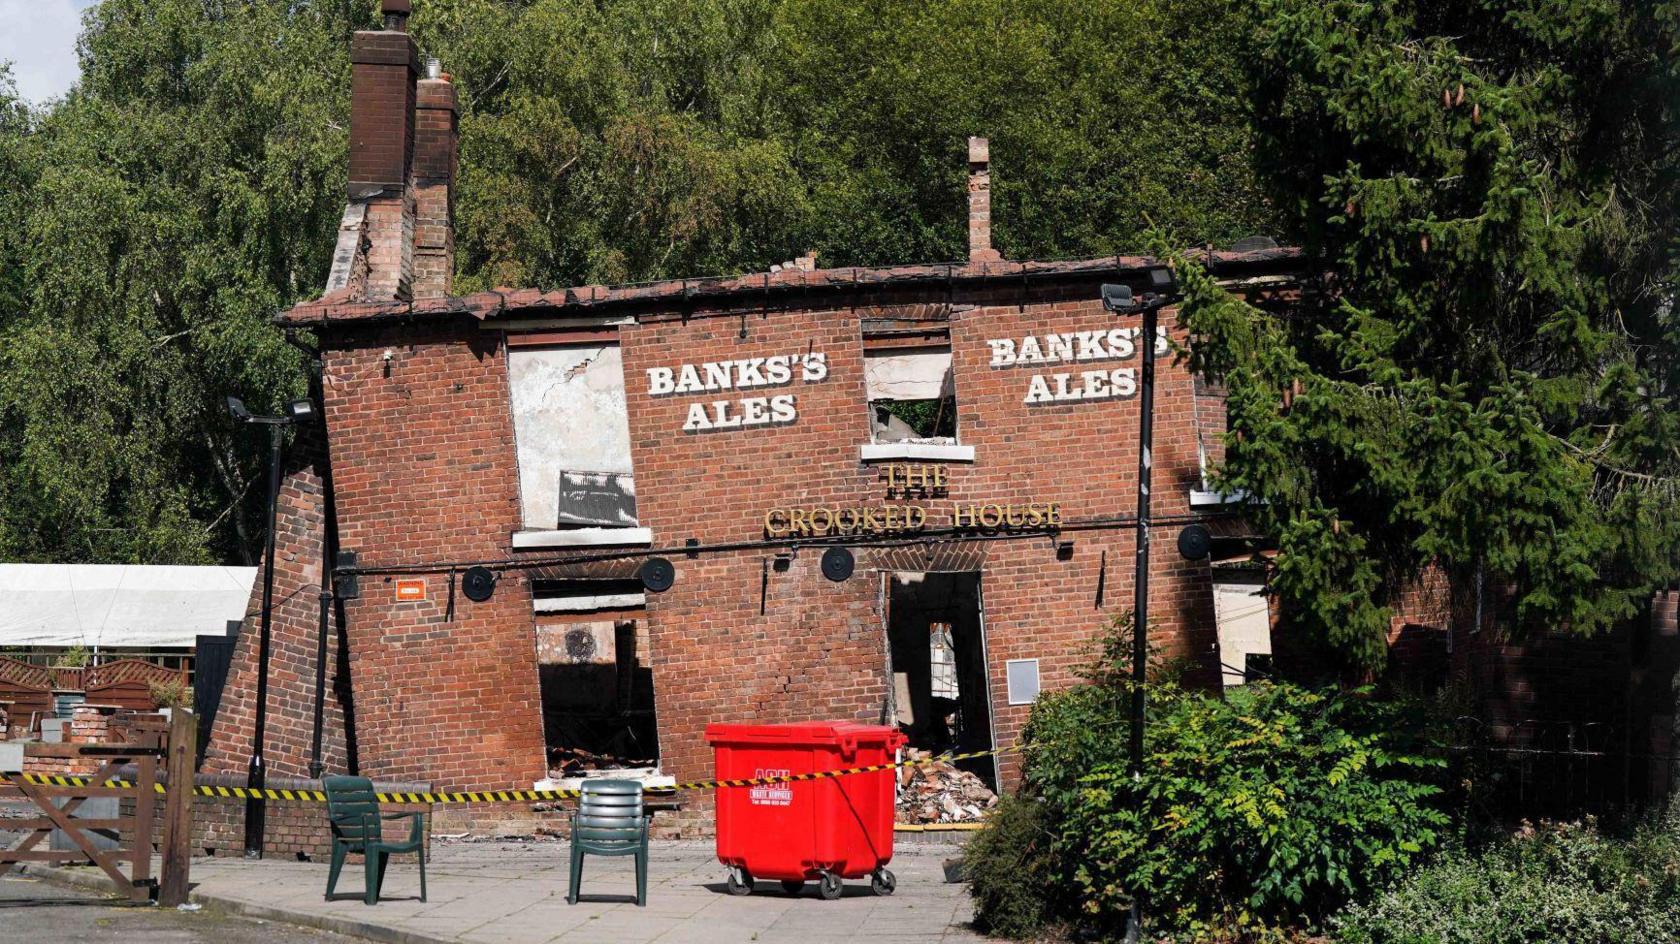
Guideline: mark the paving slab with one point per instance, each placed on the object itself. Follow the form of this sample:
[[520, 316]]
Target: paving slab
[[515, 893]]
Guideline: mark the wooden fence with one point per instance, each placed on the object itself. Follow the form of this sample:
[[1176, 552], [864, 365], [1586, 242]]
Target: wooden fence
[[56, 800]]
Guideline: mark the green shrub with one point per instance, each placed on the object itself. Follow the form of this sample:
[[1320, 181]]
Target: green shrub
[[1551, 884], [1010, 869], [1266, 806]]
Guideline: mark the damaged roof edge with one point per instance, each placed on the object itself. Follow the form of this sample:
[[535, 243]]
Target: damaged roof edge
[[339, 308]]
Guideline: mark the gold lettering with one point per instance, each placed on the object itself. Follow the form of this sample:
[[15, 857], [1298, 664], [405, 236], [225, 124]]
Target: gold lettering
[[1011, 516], [827, 521], [962, 517], [891, 518], [797, 523], [1035, 514], [846, 520], [939, 476], [990, 516], [1053, 515], [915, 516], [867, 522], [771, 527]]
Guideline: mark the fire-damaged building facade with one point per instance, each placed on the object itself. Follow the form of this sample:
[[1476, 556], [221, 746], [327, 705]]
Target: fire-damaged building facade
[[549, 531]]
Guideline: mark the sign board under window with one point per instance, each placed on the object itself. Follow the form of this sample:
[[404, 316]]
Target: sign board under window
[[1023, 680]]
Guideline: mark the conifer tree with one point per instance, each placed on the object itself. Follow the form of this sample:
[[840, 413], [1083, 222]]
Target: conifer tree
[[1479, 375]]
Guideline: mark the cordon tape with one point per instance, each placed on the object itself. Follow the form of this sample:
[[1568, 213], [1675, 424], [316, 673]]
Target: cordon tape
[[498, 796]]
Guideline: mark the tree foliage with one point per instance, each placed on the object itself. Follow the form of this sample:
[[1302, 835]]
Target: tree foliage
[[1483, 378], [153, 219]]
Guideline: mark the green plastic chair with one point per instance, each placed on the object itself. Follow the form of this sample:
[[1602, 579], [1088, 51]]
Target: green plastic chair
[[610, 821], [354, 811]]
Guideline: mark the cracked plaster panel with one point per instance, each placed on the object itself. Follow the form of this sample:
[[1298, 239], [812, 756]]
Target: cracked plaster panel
[[569, 417], [921, 375]]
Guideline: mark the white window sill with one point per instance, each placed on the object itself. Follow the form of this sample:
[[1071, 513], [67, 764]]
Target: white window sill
[[582, 537], [933, 452], [1210, 499], [609, 601]]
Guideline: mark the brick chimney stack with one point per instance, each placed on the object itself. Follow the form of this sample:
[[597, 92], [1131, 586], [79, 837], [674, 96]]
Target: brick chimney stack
[[384, 65], [436, 132], [980, 202]]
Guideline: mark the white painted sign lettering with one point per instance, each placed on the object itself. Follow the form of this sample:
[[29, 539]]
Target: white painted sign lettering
[[1075, 347], [751, 373]]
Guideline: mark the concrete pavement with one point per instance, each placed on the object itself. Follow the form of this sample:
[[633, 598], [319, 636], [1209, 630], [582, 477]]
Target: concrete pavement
[[37, 912], [514, 892]]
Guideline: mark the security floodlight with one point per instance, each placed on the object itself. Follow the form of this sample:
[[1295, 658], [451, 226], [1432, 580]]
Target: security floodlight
[[236, 408], [300, 410], [1118, 298]]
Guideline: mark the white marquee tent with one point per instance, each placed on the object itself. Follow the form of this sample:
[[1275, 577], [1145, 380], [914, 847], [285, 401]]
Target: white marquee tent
[[112, 606]]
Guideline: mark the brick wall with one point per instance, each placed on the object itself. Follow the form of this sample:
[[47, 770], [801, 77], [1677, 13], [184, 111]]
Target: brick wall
[[424, 470], [293, 641]]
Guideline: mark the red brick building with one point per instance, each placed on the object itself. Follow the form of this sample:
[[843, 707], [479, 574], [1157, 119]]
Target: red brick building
[[967, 430]]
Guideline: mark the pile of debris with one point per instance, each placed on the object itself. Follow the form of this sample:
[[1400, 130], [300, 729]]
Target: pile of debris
[[576, 762], [937, 792]]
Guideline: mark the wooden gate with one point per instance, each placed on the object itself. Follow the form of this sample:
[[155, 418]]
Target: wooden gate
[[57, 797]]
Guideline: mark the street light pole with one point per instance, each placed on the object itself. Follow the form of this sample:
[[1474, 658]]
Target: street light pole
[[256, 772], [1140, 602], [1121, 300]]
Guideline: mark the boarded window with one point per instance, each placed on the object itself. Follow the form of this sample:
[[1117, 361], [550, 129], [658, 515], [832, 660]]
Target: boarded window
[[573, 436], [911, 394]]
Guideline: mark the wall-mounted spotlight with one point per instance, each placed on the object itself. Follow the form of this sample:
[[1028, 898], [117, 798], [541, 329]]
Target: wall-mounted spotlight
[[478, 583], [838, 563], [1064, 550], [657, 574], [1194, 542]]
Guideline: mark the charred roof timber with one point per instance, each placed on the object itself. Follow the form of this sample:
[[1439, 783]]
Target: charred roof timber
[[343, 309]]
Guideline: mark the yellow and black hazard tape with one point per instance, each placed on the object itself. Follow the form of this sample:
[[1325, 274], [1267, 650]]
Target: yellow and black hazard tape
[[497, 796]]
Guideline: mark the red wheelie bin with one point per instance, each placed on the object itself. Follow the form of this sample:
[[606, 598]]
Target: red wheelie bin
[[827, 829]]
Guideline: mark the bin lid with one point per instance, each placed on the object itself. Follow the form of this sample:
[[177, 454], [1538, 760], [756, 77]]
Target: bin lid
[[801, 732]]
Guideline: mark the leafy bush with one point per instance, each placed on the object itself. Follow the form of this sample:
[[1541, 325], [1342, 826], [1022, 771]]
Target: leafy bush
[[1268, 805], [1554, 883], [1011, 870], [1272, 804], [174, 693], [73, 657]]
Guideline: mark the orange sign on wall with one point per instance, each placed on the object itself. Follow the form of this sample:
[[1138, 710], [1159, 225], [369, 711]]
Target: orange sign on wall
[[409, 591]]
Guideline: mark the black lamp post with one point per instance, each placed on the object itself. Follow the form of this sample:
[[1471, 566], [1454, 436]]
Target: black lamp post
[[297, 411], [1120, 299]]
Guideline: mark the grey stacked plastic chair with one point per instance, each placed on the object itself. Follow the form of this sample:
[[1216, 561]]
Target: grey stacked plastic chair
[[610, 821], [353, 809]]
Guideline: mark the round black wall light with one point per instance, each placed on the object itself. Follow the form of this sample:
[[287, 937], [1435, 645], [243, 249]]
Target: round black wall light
[[837, 563], [657, 574], [1194, 542], [478, 583]]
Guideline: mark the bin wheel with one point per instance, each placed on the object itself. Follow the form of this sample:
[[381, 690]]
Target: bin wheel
[[830, 886], [740, 882], [793, 886], [883, 882]]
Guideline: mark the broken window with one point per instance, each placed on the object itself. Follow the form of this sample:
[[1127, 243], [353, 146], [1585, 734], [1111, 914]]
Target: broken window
[[573, 436], [907, 372], [596, 677]]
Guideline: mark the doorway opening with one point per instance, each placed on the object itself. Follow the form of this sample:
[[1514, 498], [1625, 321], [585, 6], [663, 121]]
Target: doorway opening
[[596, 677], [937, 647]]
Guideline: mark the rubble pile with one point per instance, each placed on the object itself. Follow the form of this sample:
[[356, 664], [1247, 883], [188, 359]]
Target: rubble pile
[[576, 762], [938, 792]]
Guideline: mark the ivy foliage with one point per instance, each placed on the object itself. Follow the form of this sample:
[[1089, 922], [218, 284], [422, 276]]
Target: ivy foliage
[[1480, 376], [153, 219]]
